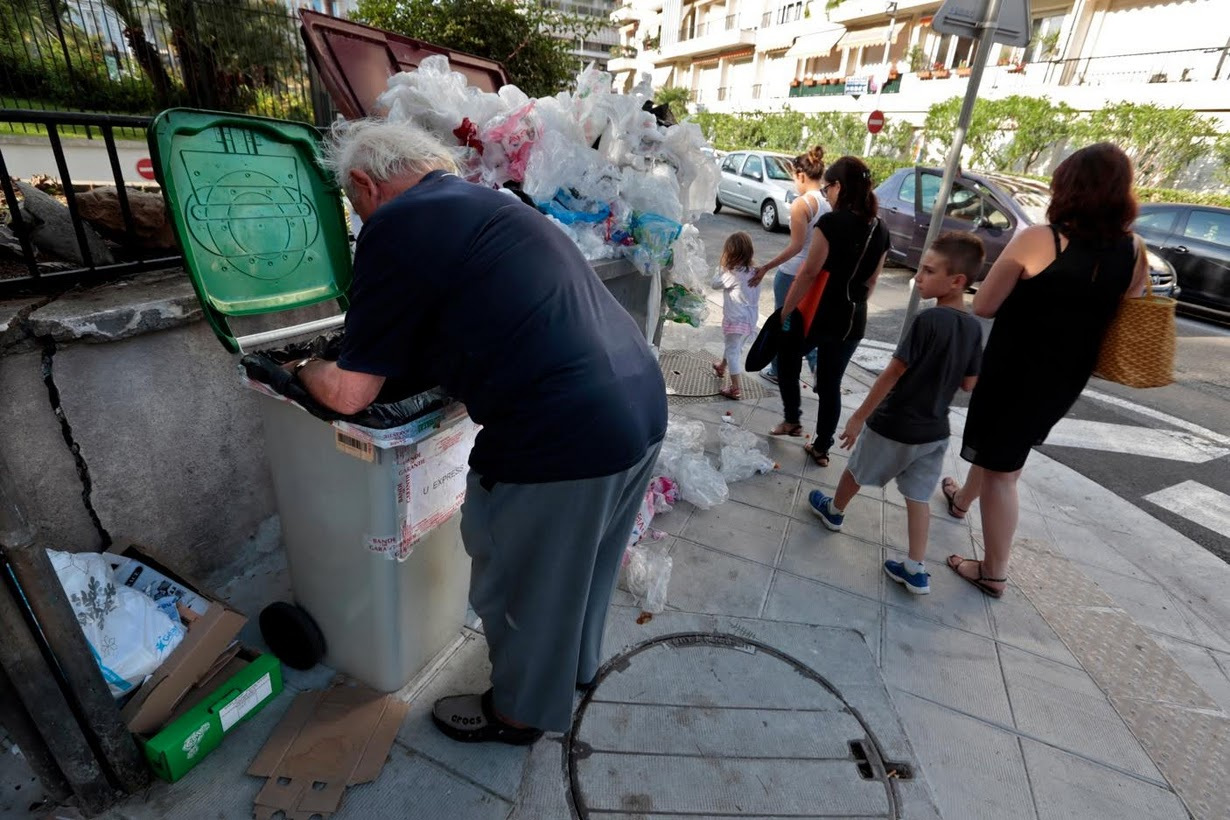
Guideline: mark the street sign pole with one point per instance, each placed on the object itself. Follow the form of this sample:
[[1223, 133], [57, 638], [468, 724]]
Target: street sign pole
[[981, 54]]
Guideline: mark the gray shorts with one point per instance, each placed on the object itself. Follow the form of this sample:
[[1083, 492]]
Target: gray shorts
[[917, 467]]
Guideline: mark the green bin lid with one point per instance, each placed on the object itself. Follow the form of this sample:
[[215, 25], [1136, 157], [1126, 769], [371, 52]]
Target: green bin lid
[[260, 222]]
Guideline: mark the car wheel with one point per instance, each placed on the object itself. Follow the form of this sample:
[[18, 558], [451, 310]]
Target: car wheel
[[768, 216], [717, 206]]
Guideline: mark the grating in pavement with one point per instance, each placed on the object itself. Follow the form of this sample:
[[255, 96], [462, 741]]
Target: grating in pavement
[[689, 374], [711, 724]]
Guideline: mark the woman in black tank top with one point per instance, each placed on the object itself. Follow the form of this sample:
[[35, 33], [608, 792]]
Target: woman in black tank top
[[1053, 292]]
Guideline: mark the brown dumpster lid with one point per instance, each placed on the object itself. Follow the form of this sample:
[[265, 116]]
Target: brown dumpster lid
[[356, 61]]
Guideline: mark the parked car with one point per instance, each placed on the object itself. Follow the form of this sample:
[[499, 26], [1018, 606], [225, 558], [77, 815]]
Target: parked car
[[1195, 239], [760, 183], [992, 206]]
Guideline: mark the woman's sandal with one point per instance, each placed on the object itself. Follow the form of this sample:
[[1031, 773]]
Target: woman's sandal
[[955, 562], [787, 429], [731, 393], [820, 458], [949, 487], [718, 370]]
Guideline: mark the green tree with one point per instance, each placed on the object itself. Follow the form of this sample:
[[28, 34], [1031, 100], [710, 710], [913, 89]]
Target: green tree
[[1037, 124], [840, 134], [895, 142], [533, 42], [985, 125], [1161, 141], [676, 97]]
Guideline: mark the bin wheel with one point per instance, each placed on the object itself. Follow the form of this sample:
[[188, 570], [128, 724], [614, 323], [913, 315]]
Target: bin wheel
[[292, 635]]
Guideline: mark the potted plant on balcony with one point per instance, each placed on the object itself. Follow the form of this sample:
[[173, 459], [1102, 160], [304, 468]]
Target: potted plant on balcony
[[894, 73], [795, 83], [964, 70], [940, 72], [810, 81], [917, 59]]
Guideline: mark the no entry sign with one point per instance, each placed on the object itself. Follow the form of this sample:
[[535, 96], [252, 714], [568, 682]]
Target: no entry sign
[[145, 167], [875, 122]]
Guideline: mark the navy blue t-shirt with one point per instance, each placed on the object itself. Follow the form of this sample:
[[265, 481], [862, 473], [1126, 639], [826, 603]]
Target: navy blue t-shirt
[[465, 287]]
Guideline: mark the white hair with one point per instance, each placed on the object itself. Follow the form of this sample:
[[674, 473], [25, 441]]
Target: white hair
[[383, 150]]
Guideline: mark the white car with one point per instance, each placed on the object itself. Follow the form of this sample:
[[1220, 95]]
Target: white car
[[760, 183]]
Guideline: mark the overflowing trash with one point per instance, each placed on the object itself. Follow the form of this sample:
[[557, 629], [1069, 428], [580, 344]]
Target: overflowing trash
[[683, 458], [129, 633], [607, 168]]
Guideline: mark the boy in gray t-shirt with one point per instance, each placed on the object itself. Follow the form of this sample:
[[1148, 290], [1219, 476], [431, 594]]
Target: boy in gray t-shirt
[[906, 412]]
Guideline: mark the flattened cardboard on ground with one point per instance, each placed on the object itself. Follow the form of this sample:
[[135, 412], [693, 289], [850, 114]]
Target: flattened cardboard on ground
[[208, 637], [336, 738]]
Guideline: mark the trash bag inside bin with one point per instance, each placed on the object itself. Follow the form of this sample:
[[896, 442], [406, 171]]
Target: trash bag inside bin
[[398, 403]]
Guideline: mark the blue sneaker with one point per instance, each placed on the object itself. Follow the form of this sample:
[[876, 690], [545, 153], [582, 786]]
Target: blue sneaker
[[918, 583], [822, 506]]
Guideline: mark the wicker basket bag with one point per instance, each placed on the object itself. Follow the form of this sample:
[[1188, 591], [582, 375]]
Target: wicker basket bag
[[1138, 348]]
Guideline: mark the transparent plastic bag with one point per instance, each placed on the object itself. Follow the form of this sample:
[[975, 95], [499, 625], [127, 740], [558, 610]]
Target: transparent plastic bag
[[652, 192], [742, 456], [700, 483], [507, 142], [660, 497], [684, 306], [698, 175], [688, 265], [646, 574]]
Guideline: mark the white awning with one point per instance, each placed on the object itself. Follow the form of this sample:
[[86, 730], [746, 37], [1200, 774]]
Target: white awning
[[819, 44], [877, 36], [662, 75]]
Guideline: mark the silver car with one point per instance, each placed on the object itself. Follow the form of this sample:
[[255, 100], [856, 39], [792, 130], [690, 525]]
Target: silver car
[[760, 183]]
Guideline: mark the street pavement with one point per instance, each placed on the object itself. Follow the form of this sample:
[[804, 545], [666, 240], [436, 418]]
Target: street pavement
[[790, 677]]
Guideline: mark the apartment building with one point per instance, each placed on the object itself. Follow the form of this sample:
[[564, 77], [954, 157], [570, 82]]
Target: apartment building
[[599, 47], [749, 55]]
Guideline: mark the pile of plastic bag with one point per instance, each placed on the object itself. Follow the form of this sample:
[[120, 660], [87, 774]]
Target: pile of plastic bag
[[618, 181], [646, 570]]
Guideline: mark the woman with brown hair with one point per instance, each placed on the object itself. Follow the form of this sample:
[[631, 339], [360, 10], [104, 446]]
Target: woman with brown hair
[[1053, 292], [805, 212], [849, 244]]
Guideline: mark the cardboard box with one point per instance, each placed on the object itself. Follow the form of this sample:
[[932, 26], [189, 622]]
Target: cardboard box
[[207, 662], [234, 693]]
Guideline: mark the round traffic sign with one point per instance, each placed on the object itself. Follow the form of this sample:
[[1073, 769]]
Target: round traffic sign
[[875, 121], [145, 167]]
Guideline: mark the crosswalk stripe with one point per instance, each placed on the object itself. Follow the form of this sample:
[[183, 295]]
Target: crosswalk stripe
[[1174, 445], [1196, 502]]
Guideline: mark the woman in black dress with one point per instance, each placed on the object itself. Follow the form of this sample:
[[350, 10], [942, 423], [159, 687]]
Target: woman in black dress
[[850, 243], [1053, 292]]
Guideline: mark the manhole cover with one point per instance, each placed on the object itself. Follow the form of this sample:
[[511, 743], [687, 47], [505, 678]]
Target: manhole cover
[[705, 724], [690, 374]]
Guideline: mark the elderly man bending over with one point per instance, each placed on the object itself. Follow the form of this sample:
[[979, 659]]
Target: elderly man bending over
[[468, 288]]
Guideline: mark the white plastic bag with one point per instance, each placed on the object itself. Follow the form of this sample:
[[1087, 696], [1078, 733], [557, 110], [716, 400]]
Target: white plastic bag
[[127, 632], [683, 437], [688, 265], [742, 456], [700, 483], [647, 575]]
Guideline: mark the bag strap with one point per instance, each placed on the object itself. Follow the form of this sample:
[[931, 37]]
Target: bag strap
[[867, 244], [1141, 250]]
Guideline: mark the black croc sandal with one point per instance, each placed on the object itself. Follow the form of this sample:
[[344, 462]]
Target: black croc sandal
[[472, 719]]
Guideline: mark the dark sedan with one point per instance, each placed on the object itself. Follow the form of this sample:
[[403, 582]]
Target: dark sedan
[[1195, 239], [992, 206]]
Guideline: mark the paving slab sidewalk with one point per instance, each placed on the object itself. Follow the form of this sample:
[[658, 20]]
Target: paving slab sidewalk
[[1097, 687]]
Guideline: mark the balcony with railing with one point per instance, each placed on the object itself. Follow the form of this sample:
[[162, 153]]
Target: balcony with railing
[[623, 58], [711, 37]]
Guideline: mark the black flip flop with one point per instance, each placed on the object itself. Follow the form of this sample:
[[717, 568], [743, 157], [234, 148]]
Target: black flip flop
[[465, 721]]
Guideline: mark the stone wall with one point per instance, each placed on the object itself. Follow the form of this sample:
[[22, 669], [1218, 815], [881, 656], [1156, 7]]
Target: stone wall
[[124, 417]]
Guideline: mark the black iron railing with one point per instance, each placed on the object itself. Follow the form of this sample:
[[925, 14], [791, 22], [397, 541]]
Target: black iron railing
[[38, 273]]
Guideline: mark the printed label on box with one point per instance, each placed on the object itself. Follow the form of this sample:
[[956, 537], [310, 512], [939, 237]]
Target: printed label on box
[[248, 700], [383, 544], [432, 486]]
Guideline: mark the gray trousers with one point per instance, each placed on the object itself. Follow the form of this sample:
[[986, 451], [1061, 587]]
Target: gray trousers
[[545, 561]]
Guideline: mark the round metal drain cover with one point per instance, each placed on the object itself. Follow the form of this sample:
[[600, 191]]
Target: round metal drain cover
[[716, 725], [689, 373]]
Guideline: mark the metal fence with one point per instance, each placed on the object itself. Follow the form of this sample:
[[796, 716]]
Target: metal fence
[[139, 58], [31, 270]]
